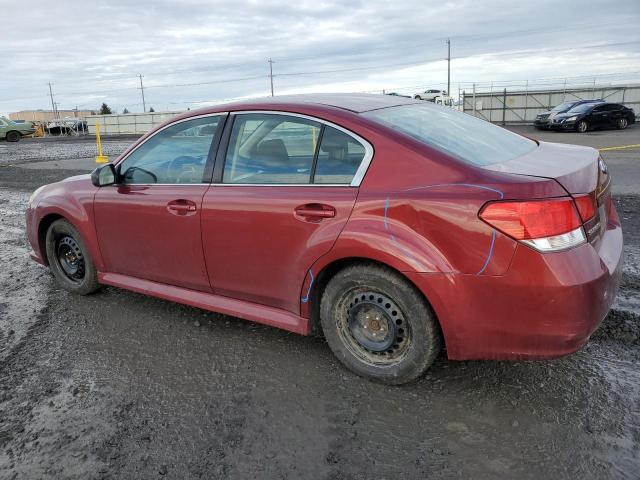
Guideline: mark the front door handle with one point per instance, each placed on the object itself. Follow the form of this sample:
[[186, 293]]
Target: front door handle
[[181, 207], [314, 212]]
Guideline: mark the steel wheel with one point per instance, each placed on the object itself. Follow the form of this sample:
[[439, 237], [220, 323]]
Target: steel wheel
[[13, 136], [70, 259], [374, 328], [582, 126]]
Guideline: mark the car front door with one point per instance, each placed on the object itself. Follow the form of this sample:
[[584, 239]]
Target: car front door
[[283, 190], [148, 224]]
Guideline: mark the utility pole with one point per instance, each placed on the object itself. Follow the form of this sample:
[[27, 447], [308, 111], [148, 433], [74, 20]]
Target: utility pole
[[449, 66], [271, 74], [53, 105], [144, 105]]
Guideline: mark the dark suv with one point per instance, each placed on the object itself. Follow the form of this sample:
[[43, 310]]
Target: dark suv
[[543, 120], [589, 116]]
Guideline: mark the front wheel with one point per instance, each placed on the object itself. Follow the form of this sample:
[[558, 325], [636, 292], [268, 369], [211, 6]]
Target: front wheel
[[582, 126], [69, 259], [378, 325], [622, 124]]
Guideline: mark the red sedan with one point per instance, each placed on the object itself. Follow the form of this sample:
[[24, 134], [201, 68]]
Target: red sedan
[[393, 227]]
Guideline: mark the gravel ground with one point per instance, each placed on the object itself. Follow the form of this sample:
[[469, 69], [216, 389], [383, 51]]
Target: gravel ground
[[119, 385]]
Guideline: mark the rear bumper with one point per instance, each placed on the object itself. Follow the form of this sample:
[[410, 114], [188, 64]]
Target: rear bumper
[[545, 306]]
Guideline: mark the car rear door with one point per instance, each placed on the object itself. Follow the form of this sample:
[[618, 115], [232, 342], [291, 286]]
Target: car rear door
[[615, 113], [600, 116], [283, 190], [148, 224]]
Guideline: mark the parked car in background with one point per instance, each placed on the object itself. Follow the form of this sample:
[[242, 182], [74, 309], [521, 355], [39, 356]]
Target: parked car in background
[[544, 119], [430, 94], [12, 131], [67, 126], [359, 216], [590, 116]]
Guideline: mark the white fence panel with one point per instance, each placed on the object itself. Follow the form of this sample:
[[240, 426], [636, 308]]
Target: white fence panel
[[127, 123]]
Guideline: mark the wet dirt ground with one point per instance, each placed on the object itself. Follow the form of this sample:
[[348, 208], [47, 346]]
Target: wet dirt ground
[[119, 385]]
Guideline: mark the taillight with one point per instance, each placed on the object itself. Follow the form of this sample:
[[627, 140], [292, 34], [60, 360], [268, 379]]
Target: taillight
[[586, 206], [546, 225]]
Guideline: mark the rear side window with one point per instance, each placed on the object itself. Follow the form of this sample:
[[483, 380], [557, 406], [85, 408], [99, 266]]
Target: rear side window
[[271, 149], [339, 157], [459, 134], [289, 150]]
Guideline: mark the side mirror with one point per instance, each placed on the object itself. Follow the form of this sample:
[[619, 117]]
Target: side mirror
[[104, 175]]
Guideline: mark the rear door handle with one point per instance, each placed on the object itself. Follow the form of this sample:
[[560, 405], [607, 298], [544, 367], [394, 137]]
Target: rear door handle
[[181, 207], [314, 212]]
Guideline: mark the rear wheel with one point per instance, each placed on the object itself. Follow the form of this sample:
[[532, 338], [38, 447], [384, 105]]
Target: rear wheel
[[378, 325], [622, 123], [69, 259], [13, 136], [582, 126]]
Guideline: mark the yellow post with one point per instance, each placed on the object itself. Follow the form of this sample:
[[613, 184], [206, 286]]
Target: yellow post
[[100, 158]]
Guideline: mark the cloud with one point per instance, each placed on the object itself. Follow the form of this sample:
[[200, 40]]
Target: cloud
[[218, 50]]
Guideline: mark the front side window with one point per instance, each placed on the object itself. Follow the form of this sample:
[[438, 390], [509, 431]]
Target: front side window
[[461, 135], [178, 154]]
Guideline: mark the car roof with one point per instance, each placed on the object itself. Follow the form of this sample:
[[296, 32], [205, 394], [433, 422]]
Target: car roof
[[353, 102]]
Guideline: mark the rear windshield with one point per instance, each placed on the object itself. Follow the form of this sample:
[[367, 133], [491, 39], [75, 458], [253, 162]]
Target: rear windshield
[[466, 137]]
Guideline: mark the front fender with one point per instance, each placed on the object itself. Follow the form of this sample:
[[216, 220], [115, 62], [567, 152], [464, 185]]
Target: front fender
[[72, 200]]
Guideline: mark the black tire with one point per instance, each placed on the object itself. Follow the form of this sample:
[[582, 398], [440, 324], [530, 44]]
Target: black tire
[[400, 315], [417, 97], [13, 136], [66, 251], [582, 126], [622, 123]]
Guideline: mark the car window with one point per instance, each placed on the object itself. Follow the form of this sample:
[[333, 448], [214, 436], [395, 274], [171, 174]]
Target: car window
[[339, 157], [582, 108], [178, 154], [268, 148], [563, 107], [459, 134]]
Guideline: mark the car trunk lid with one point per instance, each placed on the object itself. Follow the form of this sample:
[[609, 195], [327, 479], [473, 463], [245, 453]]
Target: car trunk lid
[[579, 170]]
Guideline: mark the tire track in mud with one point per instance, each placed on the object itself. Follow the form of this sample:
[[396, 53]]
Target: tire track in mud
[[23, 291]]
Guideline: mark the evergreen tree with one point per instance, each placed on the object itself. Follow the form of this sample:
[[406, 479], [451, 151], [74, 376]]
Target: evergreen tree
[[105, 110]]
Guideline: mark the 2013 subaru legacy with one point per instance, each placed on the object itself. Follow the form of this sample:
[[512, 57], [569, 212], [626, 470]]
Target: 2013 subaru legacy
[[391, 226]]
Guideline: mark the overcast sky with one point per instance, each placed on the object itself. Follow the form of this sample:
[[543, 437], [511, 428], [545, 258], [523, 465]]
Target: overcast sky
[[193, 53]]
